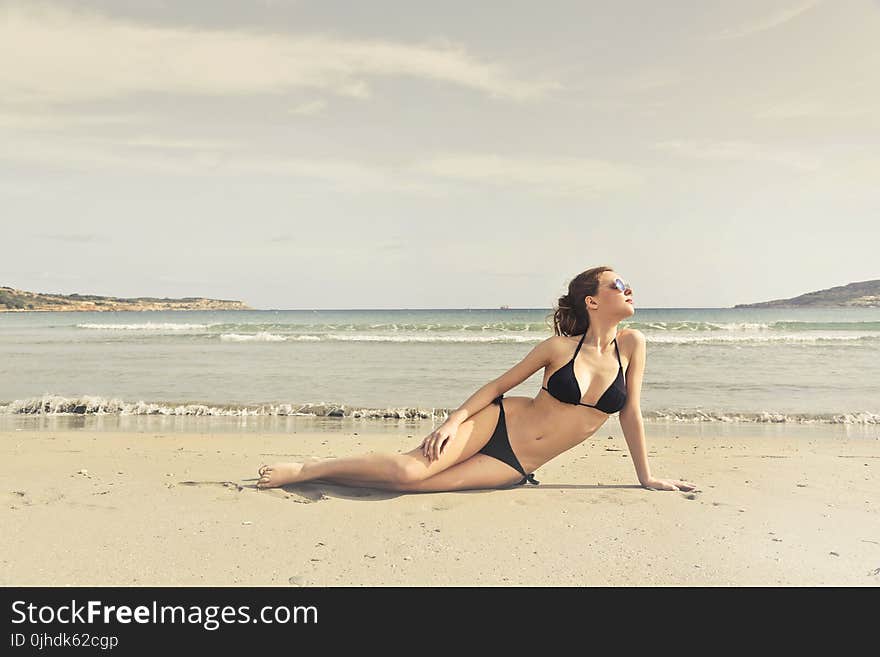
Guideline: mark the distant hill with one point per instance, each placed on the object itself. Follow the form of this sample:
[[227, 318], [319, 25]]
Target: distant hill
[[865, 294], [20, 300]]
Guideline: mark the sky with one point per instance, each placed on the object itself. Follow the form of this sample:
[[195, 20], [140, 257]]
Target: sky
[[323, 154]]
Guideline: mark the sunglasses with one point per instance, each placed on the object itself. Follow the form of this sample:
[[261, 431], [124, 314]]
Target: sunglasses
[[623, 286]]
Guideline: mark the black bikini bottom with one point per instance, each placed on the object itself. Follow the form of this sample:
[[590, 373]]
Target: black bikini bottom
[[499, 447]]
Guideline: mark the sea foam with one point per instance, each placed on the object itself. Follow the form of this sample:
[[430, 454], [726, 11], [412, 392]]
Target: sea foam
[[49, 404]]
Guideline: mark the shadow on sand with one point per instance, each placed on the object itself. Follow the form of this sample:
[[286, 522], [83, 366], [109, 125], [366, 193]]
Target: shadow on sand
[[316, 490]]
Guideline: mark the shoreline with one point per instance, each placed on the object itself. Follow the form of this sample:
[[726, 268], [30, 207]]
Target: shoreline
[[181, 509], [291, 425]]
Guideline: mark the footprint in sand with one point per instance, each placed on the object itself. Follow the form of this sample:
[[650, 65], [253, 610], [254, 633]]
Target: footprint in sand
[[228, 486], [24, 498], [109, 507], [224, 484], [301, 497], [19, 497]]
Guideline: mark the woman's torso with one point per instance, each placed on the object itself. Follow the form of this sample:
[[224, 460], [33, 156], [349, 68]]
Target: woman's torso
[[541, 428]]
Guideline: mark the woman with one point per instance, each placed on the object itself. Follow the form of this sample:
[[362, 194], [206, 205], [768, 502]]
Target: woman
[[487, 443]]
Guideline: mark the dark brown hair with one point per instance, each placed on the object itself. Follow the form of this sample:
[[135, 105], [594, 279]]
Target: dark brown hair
[[570, 313]]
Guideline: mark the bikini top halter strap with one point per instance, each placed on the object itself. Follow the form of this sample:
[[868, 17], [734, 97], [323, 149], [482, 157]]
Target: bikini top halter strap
[[614, 340], [579, 346]]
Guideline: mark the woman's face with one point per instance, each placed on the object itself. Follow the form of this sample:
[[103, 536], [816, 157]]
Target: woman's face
[[610, 299]]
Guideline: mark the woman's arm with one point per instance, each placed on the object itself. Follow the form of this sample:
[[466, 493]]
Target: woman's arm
[[631, 420], [538, 357]]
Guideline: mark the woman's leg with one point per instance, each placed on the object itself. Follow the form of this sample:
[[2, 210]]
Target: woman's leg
[[477, 472], [389, 471], [376, 468]]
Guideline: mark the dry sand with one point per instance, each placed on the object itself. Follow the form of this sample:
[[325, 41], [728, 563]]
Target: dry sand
[[175, 509]]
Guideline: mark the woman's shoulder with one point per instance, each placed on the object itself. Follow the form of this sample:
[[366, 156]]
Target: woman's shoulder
[[631, 333], [563, 341], [555, 343], [630, 338], [559, 346]]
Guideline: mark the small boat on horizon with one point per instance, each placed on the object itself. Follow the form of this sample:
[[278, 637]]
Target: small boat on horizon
[[504, 308]]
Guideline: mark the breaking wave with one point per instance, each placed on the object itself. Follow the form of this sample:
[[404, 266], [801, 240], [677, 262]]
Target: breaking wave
[[95, 405]]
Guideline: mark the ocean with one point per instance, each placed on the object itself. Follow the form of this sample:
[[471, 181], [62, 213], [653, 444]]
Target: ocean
[[277, 369]]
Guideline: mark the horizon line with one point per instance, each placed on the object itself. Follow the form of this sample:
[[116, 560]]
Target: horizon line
[[496, 308]]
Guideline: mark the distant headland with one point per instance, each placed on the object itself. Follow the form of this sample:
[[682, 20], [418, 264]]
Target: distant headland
[[865, 294], [12, 300]]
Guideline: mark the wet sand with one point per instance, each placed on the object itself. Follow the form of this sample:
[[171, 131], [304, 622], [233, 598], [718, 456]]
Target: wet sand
[[181, 509]]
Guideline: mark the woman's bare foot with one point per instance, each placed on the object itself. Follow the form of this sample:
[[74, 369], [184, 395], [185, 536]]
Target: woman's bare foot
[[279, 474]]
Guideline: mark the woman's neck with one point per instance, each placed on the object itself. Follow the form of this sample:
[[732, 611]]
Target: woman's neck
[[600, 335]]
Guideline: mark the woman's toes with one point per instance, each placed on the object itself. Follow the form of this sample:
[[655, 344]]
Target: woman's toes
[[279, 474]]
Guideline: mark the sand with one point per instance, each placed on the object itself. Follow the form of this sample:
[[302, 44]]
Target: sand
[[176, 509]]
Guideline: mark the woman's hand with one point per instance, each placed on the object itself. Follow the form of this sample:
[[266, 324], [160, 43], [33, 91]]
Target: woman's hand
[[667, 484], [434, 442]]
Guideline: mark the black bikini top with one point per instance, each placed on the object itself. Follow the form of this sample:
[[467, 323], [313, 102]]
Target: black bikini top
[[563, 385]]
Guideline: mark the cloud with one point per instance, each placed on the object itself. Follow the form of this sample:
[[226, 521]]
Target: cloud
[[35, 121], [78, 238], [165, 143], [647, 81], [390, 246], [155, 154], [813, 109], [736, 151], [190, 157], [68, 56], [21, 189], [310, 108], [768, 22], [561, 176], [854, 175]]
